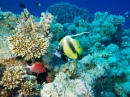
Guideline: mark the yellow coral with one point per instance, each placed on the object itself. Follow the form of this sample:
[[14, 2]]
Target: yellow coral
[[13, 76]]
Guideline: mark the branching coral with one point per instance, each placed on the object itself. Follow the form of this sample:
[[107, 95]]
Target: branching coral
[[120, 91], [29, 88], [32, 37], [13, 76], [10, 61], [28, 47]]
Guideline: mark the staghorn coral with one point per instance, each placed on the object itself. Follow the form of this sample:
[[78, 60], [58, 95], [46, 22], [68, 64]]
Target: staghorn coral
[[13, 76], [29, 87]]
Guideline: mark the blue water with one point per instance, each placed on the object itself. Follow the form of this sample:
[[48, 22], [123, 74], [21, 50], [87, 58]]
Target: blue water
[[116, 7]]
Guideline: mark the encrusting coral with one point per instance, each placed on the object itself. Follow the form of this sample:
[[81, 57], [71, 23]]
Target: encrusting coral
[[32, 37]]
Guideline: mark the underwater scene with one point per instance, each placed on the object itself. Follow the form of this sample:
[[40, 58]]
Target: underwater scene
[[64, 48]]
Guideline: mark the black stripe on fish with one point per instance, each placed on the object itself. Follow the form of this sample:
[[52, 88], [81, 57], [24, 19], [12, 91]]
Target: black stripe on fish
[[71, 45]]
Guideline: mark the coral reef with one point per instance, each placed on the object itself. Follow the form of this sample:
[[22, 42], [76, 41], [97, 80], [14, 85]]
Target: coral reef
[[101, 71], [28, 47], [66, 12], [13, 76], [32, 37], [62, 86], [105, 24], [29, 88]]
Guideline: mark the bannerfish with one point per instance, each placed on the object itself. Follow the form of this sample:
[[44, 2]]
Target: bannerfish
[[69, 47], [22, 5], [36, 67]]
